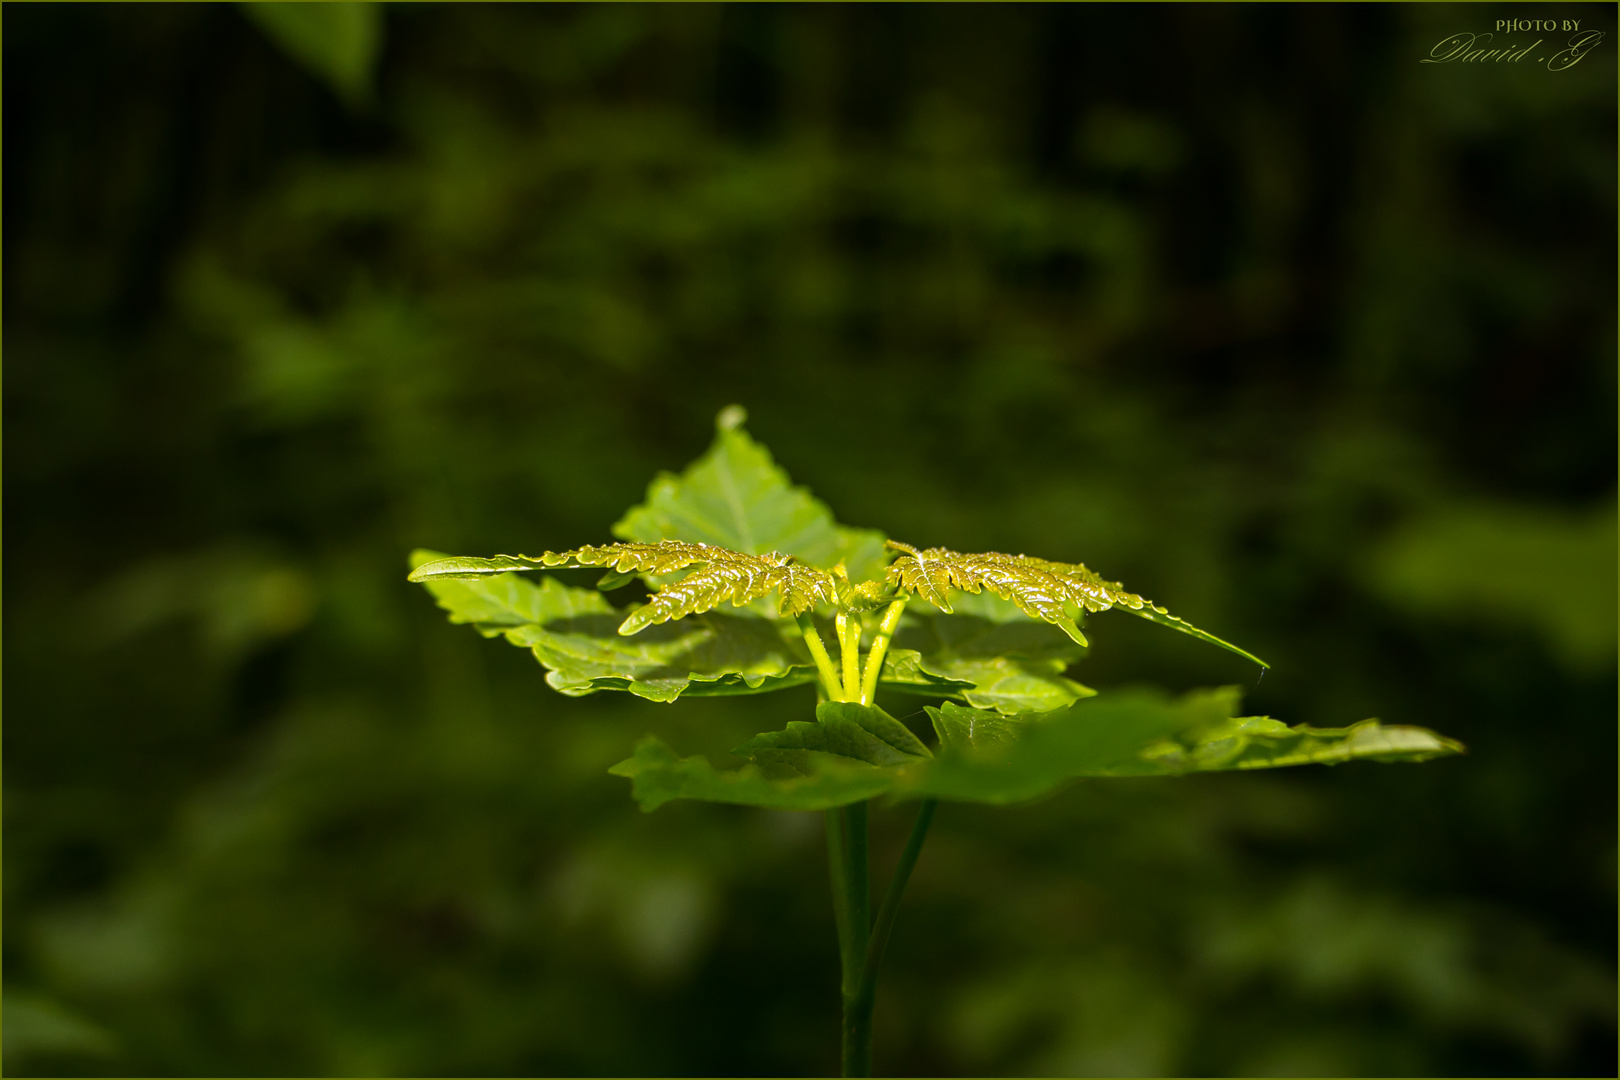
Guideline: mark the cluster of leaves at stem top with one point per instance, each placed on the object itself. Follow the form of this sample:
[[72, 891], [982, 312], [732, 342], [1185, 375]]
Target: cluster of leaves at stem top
[[749, 574]]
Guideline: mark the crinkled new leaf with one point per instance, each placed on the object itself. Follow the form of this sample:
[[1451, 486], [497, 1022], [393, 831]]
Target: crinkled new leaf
[[736, 497], [1051, 591], [574, 633], [723, 575]]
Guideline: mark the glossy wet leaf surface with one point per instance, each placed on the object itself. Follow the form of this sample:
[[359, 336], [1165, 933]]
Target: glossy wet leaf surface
[[1054, 592], [735, 496], [575, 634]]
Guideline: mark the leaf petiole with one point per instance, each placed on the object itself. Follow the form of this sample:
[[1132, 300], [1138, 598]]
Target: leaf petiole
[[818, 652], [849, 647], [880, 647]]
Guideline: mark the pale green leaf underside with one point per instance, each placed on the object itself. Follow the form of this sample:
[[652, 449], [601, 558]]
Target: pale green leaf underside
[[1006, 684], [574, 633], [985, 756], [1012, 663], [1259, 742]]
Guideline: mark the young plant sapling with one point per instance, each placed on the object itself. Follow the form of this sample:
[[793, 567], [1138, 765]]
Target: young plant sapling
[[751, 578]]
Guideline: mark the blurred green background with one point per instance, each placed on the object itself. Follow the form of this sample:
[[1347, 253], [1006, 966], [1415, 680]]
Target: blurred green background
[[1242, 306]]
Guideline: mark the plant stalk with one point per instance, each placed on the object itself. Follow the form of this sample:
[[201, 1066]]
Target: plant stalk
[[890, 908], [849, 647], [847, 957], [880, 647], [860, 994], [818, 652], [857, 1040]]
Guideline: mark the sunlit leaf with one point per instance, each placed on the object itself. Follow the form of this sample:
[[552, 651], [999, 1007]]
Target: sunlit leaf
[[864, 553], [724, 575], [903, 671], [1012, 665], [495, 604], [575, 634], [735, 496], [471, 567], [1051, 591], [1010, 685], [707, 655]]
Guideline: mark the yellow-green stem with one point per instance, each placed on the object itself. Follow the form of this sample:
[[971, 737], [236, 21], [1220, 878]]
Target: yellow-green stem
[[880, 646], [849, 646], [818, 653]]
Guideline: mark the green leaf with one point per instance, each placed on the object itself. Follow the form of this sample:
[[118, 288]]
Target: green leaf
[[1259, 742], [735, 576], [1001, 758], [960, 728], [657, 775], [845, 730], [736, 497], [706, 656], [724, 575], [1011, 685], [903, 671], [864, 553], [1013, 665], [337, 41], [470, 568], [574, 633], [987, 757], [852, 752], [855, 752], [1051, 591], [495, 604]]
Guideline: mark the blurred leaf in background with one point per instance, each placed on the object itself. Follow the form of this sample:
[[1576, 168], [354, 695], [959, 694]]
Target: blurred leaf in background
[[1309, 342], [1511, 565], [338, 41]]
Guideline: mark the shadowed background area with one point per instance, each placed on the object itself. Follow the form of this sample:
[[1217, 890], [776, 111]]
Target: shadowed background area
[[1242, 306]]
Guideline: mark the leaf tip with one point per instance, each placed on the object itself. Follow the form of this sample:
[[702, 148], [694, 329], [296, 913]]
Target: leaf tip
[[438, 568], [637, 621], [1068, 626], [731, 418]]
